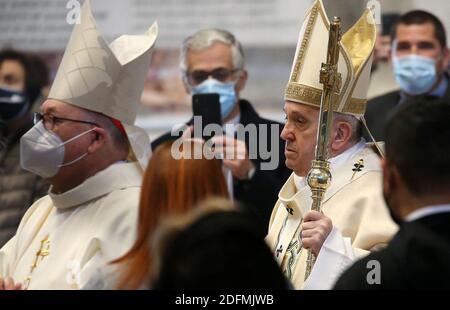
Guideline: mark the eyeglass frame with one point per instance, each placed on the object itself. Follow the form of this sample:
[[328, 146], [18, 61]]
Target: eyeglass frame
[[189, 81], [37, 117]]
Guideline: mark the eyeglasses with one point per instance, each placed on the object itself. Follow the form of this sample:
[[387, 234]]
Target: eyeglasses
[[198, 76], [49, 121]]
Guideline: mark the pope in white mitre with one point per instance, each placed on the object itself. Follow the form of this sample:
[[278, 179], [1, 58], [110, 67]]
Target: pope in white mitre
[[354, 218], [84, 143]]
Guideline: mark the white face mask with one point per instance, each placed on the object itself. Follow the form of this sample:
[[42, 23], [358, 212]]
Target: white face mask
[[42, 151]]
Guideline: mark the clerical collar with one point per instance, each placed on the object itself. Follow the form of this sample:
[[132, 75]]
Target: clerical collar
[[117, 176], [427, 211], [335, 162]]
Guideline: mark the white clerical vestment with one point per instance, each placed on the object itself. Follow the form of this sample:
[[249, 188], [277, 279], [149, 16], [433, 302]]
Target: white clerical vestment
[[353, 202], [64, 240]]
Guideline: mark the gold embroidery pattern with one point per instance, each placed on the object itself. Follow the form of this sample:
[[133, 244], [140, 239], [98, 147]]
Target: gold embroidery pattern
[[277, 250], [305, 42], [359, 50], [293, 252], [312, 96], [356, 47], [44, 250]]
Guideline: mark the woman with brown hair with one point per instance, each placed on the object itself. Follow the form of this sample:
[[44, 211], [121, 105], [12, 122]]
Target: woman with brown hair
[[172, 185]]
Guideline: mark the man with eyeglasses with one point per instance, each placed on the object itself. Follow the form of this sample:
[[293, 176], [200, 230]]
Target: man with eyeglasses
[[420, 59], [85, 144], [212, 61]]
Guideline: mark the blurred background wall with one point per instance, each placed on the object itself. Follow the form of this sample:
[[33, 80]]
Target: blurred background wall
[[268, 30]]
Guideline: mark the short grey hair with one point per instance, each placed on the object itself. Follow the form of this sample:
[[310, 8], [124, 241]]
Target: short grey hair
[[203, 39]]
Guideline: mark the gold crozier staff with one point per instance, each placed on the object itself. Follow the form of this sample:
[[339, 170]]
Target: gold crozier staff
[[319, 177]]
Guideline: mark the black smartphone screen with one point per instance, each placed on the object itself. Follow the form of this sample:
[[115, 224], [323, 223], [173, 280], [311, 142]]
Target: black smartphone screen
[[207, 106]]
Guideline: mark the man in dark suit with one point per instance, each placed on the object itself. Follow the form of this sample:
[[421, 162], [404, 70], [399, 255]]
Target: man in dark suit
[[420, 60], [212, 61], [416, 182]]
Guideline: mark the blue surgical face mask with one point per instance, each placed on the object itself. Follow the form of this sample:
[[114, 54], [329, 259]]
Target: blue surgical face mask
[[415, 74], [13, 103], [226, 93]]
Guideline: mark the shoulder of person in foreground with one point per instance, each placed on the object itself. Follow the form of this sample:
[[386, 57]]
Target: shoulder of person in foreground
[[376, 271]]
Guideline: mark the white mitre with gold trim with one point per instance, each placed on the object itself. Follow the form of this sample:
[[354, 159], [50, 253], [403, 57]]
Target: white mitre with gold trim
[[108, 79], [355, 61]]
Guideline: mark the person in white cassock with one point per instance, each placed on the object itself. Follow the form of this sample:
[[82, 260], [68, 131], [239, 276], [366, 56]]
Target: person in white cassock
[[354, 218], [85, 144]]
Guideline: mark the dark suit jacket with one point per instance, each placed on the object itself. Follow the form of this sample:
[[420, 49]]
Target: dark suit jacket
[[418, 257], [380, 108], [259, 194]]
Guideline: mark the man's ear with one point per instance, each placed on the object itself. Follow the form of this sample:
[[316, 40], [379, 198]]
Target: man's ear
[[242, 81], [392, 179], [186, 85], [100, 137], [387, 175], [341, 136]]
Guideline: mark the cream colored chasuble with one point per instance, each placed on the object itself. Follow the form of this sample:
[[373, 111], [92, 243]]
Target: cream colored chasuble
[[64, 240], [355, 204]]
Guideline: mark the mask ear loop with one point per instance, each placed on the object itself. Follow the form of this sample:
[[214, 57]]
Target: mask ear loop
[[77, 136], [72, 139], [73, 161]]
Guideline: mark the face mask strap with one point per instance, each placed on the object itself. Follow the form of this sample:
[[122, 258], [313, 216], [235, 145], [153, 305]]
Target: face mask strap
[[73, 161], [70, 140], [77, 136]]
